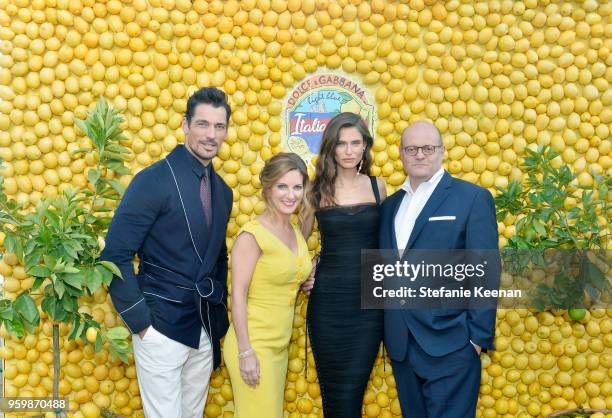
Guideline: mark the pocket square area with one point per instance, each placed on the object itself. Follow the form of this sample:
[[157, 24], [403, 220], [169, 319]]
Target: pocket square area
[[442, 218]]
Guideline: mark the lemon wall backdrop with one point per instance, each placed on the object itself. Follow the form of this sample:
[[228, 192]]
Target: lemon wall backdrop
[[495, 76]]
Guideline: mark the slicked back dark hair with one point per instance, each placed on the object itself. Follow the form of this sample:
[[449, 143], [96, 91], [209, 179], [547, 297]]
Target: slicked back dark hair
[[207, 95]]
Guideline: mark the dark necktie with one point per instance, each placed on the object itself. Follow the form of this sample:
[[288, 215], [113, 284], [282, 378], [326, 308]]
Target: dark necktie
[[206, 197]]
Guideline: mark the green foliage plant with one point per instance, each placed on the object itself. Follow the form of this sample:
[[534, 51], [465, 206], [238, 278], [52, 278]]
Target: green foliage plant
[[59, 244], [559, 223]]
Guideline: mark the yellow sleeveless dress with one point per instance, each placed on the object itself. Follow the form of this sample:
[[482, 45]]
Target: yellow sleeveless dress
[[270, 308]]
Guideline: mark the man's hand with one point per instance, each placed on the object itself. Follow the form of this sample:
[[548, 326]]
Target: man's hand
[[309, 283], [142, 333], [477, 348]]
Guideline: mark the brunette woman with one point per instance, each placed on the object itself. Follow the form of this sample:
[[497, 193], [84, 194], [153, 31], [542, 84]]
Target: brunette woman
[[345, 339]]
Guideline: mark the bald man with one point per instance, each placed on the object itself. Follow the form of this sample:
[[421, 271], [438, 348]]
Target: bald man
[[436, 353]]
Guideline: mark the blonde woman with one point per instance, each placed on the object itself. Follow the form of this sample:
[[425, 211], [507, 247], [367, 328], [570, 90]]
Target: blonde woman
[[269, 262]]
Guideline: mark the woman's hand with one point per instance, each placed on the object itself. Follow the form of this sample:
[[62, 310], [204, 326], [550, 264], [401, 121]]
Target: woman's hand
[[309, 283], [249, 369]]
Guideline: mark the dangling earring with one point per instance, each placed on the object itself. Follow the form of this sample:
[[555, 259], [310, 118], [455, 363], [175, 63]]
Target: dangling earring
[[361, 162]]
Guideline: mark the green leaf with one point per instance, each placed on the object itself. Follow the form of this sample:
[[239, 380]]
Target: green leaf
[[106, 274], [26, 307], [30, 327], [19, 250], [93, 175], [71, 270], [80, 330], [73, 292], [594, 275], [73, 279], [48, 305], [603, 190], [53, 219], [37, 283], [104, 209], [99, 343], [121, 170], [54, 309], [6, 310], [116, 148], [50, 261], [117, 333], [15, 327], [540, 229], [59, 288], [83, 126], [118, 355], [121, 345], [112, 267], [60, 314], [93, 279], [82, 236], [71, 247], [29, 248], [39, 271], [59, 266], [70, 304], [75, 326], [82, 150], [10, 243]]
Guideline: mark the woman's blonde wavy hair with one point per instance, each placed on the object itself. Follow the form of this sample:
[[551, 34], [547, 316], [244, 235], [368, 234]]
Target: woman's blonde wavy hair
[[278, 166]]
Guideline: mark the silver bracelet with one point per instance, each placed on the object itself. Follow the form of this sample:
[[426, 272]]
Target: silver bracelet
[[246, 353]]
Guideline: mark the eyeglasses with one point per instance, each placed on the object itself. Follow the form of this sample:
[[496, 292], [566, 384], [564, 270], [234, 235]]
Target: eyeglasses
[[425, 149]]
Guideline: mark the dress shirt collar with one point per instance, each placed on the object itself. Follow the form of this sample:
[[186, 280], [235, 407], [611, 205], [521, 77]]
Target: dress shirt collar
[[196, 166], [434, 180]]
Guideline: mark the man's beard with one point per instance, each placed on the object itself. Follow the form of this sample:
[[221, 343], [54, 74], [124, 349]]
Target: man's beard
[[201, 153]]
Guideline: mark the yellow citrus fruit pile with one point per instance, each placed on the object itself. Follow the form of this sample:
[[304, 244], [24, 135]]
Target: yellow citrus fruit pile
[[495, 76], [91, 381]]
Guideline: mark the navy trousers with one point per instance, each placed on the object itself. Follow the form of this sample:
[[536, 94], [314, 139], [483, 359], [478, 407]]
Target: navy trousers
[[438, 387]]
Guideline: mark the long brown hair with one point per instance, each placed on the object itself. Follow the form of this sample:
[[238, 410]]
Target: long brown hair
[[278, 166], [324, 189]]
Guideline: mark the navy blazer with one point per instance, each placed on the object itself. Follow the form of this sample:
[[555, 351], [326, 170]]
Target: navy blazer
[[440, 332], [181, 283]]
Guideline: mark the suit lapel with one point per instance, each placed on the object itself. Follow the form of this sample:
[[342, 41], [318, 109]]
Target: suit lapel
[[396, 204], [435, 200], [217, 226], [189, 199]]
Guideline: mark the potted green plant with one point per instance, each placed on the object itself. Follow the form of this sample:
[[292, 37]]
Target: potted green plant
[[59, 244], [563, 224]]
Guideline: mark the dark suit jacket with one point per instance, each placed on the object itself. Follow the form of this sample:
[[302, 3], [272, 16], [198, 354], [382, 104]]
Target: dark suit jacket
[[181, 283], [440, 332]]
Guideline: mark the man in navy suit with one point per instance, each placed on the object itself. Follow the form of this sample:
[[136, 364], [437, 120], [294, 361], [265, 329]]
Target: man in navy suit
[[436, 353], [174, 215]]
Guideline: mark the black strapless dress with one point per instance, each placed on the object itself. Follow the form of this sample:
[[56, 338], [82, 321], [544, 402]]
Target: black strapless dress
[[345, 338]]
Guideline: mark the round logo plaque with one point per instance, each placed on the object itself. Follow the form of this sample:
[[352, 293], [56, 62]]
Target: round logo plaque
[[314, 102]]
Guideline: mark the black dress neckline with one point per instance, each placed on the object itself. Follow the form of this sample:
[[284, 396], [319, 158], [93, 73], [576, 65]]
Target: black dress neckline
[[352, 205]]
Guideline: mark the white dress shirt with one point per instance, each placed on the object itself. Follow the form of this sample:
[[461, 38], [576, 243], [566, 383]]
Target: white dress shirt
[[411, 206]]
